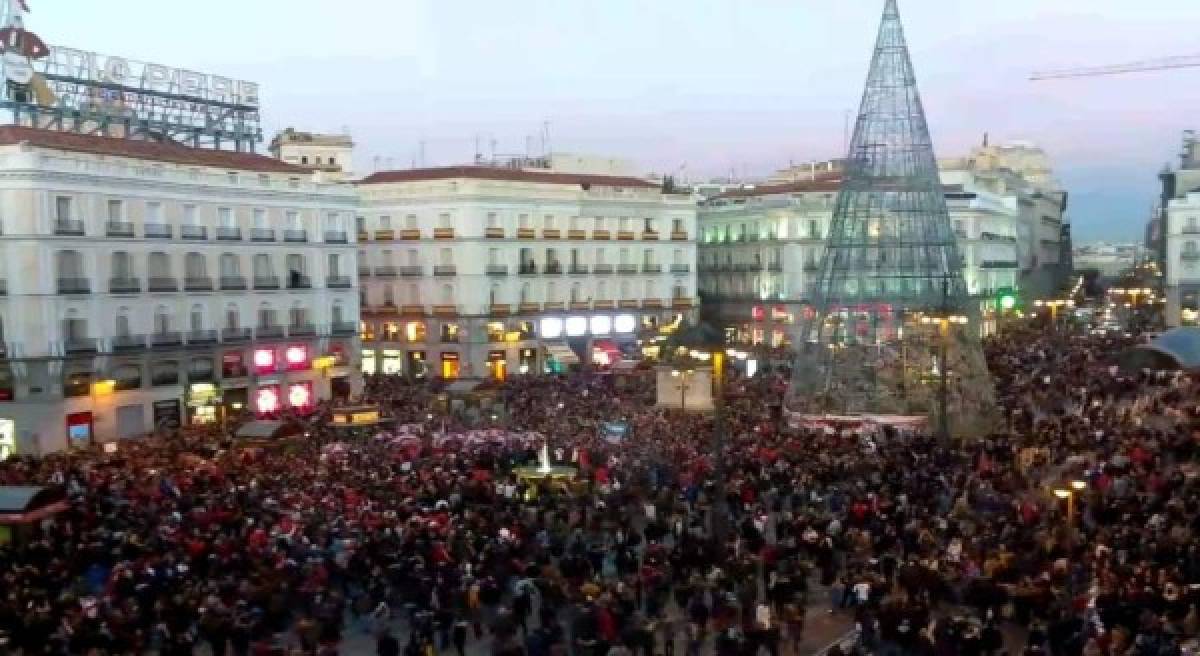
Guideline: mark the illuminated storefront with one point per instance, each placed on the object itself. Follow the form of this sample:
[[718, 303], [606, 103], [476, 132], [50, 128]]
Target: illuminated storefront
[[264, 361], [79, 429], [527, 361], [414, 332], [496, 332], [203, 403], [296, 357], [368, 361]]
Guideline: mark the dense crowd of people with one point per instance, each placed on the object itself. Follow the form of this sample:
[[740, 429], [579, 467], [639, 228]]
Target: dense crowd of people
[[667, 541]]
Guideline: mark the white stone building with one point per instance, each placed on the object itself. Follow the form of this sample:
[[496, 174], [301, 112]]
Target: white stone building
[[1182, 286], [761, 247], [150, 283], [330, 156], [487, 271]]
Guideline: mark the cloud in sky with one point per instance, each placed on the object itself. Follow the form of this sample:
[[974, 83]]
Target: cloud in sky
[[707, 85]]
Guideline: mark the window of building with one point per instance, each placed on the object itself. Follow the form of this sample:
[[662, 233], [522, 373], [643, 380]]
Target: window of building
[[523, 221], [233, 319], [122, 265], [154, 212], [225, 216], [123, 325], [385, 222], [444, 220], [548, 221], [410, 222], [266, 316], [158, 265], [230, 265], [260, 219], [116, 210], [493, 220], [69, 265], [162, 320], [262, 265], [189, 215], [447, 294], [62, 208], [293, 220], [334, 264], [195, 265]]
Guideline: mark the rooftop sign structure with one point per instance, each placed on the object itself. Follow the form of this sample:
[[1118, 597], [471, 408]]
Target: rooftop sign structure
[[60, 88]]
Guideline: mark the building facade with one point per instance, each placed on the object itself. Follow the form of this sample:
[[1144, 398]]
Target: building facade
[[760, 251], [1177, 235], [487, 271], [330, 156], [146, 284]]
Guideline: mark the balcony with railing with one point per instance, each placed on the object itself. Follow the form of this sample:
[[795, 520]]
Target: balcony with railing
[[236, 334], [775, 266], [529, 308], [680, 235], [526, 233], [652, 303], [681, 268], [581, 305], [412, 270], [73, 344], [811, 267], [604, 305], [578, 270], [74, 286], [577, 234], [233, 283], [266, 282], [229, 233], [994, 236], [269, 331], [602, 235], [1190, 229], [494, 233], [551, 233], [550, 306], [344, 328], [386, 271], [162, 284], [554, 267], [121, 343], [157, 231], [681, 303], [193, 232], [650, 235], [197, 284], [166, 339], [336, 237], [650, 267], [302, 330], [363, 235], [338, 282], [1189, 256], [201, 337], [262, 234], [386, 234], [295, 235], [627, 268], [445, 310], [602, 269], [499, 310], [628, 304], [443, 233], [68, 227], [444, 270], [528, 269], [624, 235], [497, 269], [412, 310], [297, 280], [124, 285], [410, 234], [998, 264], [119, 228]]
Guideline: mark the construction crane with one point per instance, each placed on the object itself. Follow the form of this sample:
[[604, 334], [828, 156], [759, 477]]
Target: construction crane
[[1165, 63]]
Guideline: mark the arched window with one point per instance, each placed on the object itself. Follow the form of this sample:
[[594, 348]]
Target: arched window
[[266, 315], [196, 318], [162, 320], [233, 319]]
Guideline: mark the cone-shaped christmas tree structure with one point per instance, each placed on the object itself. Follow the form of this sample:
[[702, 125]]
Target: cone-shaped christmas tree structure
[[893, 329]]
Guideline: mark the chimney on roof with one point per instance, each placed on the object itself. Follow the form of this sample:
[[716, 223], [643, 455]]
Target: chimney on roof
[[985, 140]]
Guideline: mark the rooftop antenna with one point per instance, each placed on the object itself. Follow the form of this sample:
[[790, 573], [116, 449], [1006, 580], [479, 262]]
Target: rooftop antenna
[[478, 155], [528, 145], [545, 137], [985, 140], [376, 162], [846, 132], [493, 145]]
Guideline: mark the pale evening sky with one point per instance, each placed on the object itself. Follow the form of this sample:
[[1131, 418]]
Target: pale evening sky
[[700, 86]]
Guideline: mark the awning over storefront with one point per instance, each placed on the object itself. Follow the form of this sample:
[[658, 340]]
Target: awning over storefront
[[605, 352], [562, 353], [23, 504]]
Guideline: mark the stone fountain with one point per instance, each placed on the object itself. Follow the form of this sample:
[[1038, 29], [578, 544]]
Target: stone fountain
[[544, 470]]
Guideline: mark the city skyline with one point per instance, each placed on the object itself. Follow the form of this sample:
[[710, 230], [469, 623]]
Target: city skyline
[[417, 72]]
